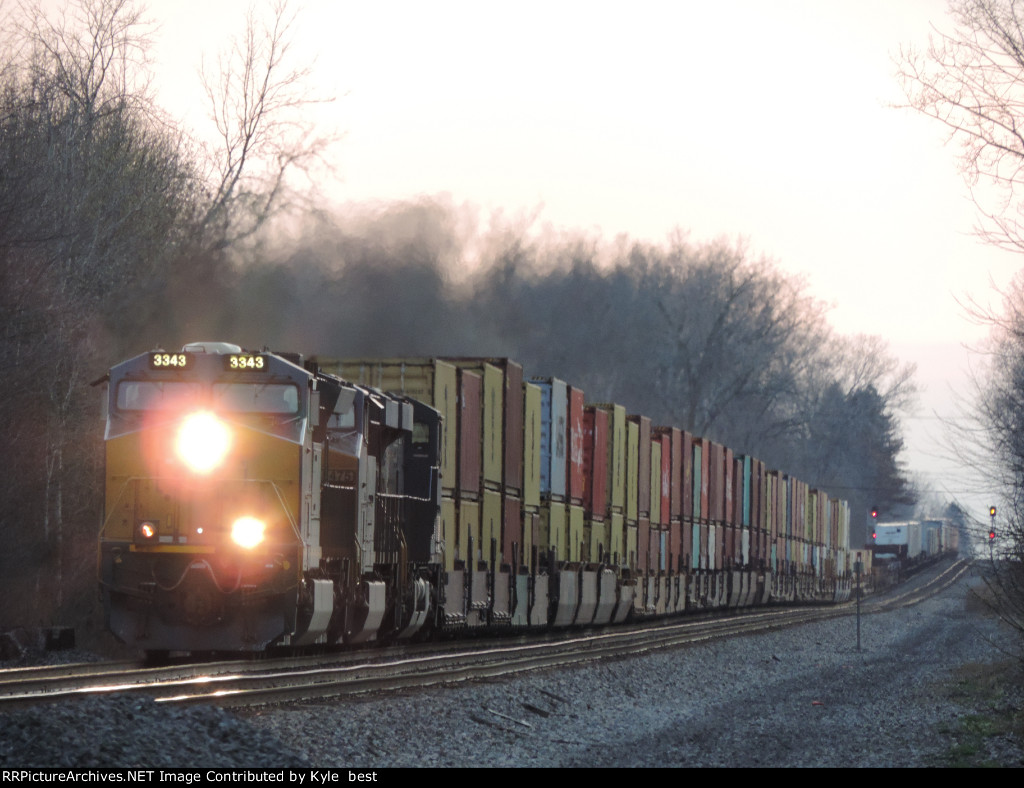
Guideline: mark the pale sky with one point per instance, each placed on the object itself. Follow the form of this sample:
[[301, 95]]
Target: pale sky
[[761, 119]]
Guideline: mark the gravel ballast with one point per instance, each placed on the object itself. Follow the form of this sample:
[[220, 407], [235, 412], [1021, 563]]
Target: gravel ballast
[[800, 697]]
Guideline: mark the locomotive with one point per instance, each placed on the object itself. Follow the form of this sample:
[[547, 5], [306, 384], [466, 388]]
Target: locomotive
[[259, 498]]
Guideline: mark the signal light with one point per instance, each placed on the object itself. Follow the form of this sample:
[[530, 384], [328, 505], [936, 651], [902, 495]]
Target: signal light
[[991, 535], [991, 511], [874, 512]]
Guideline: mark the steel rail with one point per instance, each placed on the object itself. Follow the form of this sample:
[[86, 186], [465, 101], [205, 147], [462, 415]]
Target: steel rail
[[269, 681]]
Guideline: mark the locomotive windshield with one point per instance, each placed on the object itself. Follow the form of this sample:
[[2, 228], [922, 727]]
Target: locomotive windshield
[[273, 398], [155, 394], [162, 395]]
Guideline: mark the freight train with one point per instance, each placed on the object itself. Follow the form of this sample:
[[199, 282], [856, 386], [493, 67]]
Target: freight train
[[904, 546], [915, 541], [258, 499]]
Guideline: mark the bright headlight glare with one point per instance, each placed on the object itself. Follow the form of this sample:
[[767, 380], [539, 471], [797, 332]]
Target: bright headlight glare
[[203, 441], [248, 532]]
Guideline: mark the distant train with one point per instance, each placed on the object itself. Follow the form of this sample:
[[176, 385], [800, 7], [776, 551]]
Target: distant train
[[256, 499], [901, 546]]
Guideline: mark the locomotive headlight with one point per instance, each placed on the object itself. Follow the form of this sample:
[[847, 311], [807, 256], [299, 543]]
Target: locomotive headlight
[[248, 532], [203, 441]]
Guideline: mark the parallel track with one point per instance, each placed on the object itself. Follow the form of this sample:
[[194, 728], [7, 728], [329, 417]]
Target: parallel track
[[267, 681]]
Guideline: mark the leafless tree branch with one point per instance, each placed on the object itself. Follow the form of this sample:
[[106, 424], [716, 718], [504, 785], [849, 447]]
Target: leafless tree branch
[[259, 104]]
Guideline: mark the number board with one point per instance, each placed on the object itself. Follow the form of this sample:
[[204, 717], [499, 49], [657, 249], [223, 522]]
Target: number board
[[245, 362], [174, 361]]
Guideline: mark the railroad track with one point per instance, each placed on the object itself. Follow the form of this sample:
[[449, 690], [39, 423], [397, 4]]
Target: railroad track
[[269, 681], [918, 590]]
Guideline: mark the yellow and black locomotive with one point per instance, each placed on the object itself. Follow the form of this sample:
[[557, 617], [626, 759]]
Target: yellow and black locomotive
[[252, 499]]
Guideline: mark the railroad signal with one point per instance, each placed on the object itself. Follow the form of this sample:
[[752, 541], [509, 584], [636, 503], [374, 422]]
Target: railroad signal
[[874, 512], [991, 511], [992, 534]]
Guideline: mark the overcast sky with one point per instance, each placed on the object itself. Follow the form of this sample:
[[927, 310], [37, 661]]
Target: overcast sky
[[768, 120]]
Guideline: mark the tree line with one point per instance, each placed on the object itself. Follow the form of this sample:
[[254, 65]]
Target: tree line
[[120, 233], [707, 336]]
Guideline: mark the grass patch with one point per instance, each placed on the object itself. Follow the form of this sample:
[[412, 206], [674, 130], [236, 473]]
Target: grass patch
[[991, 733]]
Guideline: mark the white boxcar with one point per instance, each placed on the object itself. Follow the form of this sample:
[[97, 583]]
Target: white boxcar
[[900, 538]]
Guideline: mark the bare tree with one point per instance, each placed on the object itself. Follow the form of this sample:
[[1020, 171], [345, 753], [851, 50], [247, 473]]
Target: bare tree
[[259, 102], [93, 53], [993, 442], [737, 333], [971, 80]]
